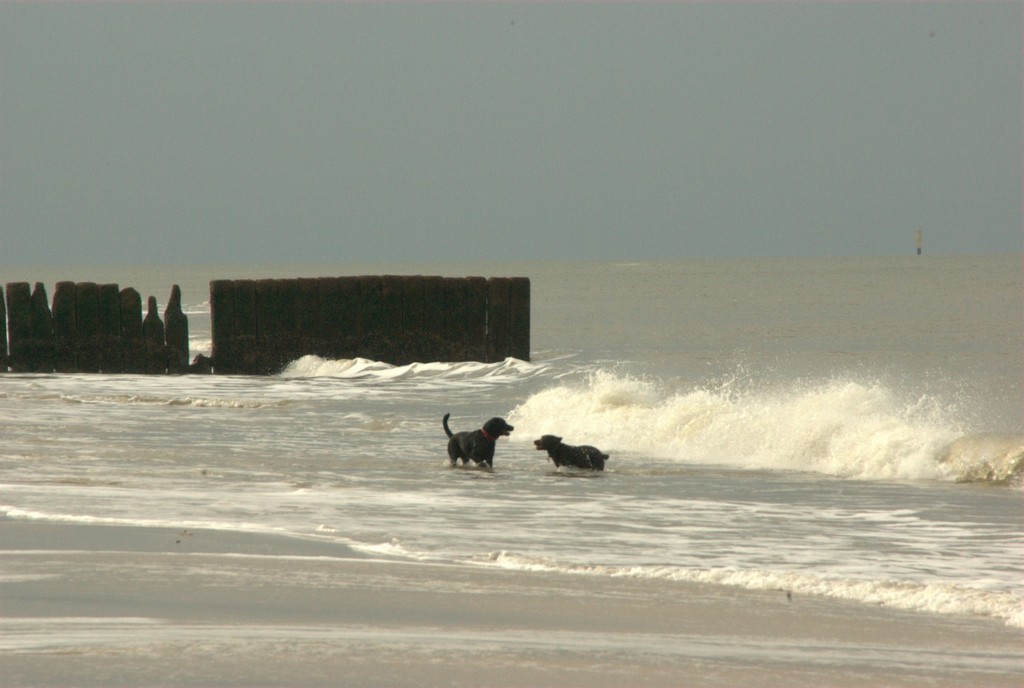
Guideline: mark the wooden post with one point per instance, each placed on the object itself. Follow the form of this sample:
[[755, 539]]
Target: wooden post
[[371, 316], [343, 312], [456, 328], [109, 347], [307, 316], [476, 321], [133, 352], [351, 316], [41, 346], [431, 334], [244, 341], [268, 326], [413, 335], [222, 327], [65, 327], [499, 319], [392, 322], [4, 361], [331, 329], [176, 334], [87, 318], [285, 337], [19, 320], [153, 339], [519, 318]]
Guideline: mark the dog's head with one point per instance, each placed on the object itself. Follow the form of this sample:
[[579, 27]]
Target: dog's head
[[547, 442], [497, 427]]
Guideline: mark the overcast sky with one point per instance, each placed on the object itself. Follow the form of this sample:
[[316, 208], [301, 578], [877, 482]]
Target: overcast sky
[[235, 132]]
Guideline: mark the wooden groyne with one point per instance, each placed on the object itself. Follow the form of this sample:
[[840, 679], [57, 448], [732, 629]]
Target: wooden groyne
[[259, 326], [92, 328]]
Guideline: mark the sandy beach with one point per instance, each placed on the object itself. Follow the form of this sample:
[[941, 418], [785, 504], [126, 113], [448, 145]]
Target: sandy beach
[[115, 606]]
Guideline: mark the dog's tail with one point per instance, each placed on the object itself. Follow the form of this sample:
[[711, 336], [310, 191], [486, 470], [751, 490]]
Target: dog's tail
[[444, 422]]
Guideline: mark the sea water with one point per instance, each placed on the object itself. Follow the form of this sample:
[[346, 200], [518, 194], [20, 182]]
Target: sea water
[[847, 428]]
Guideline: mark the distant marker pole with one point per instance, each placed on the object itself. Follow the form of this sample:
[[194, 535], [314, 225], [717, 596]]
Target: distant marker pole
[[919, 242]]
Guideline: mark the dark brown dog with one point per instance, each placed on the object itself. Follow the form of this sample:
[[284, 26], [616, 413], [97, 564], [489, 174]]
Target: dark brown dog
[[583, 456], [475, 445]]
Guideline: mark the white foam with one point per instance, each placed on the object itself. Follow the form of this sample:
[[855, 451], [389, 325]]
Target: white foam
[[837, 427], [14, 512], [196, 402], [510, 369], [391, 549], [940, 598]]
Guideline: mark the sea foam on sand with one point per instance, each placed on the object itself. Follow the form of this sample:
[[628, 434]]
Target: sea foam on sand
[[101, 605]]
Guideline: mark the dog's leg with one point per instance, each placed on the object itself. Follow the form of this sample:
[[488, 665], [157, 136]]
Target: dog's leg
[[454, 451]]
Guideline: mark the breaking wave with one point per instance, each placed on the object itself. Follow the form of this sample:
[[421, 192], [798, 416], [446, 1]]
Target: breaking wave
[[838, 427]]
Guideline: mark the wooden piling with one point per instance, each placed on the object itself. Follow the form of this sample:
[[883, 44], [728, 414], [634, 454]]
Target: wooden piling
[[245, 323], [416, 325], [307, 316], [392, 322], [87, 319], [475, 349], [222, 326], [393, 318], [371, 315], [499, 319], [153, 340], [285, 337], [91, 328], [108, 339], [41, 348], [133, 350], [340, 306], [331, 328], [430, 320], [519, 318], [456, 320], [4, 360], [19, 325], [176, 334], [259, 326], [65, 327]]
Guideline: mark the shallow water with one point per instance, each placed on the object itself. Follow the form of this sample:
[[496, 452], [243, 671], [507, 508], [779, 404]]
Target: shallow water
[[794, 425]]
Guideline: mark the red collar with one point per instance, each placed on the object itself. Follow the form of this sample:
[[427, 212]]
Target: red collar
[[486, 436]]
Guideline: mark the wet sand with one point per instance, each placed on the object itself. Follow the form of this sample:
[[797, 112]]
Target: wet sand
[[85, 605]]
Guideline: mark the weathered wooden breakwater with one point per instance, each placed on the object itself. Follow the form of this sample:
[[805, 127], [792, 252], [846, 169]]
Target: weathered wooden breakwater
[[92, 328], [259, 326]]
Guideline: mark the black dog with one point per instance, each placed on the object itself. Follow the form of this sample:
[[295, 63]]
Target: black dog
[[583, 456], [477, 445]]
